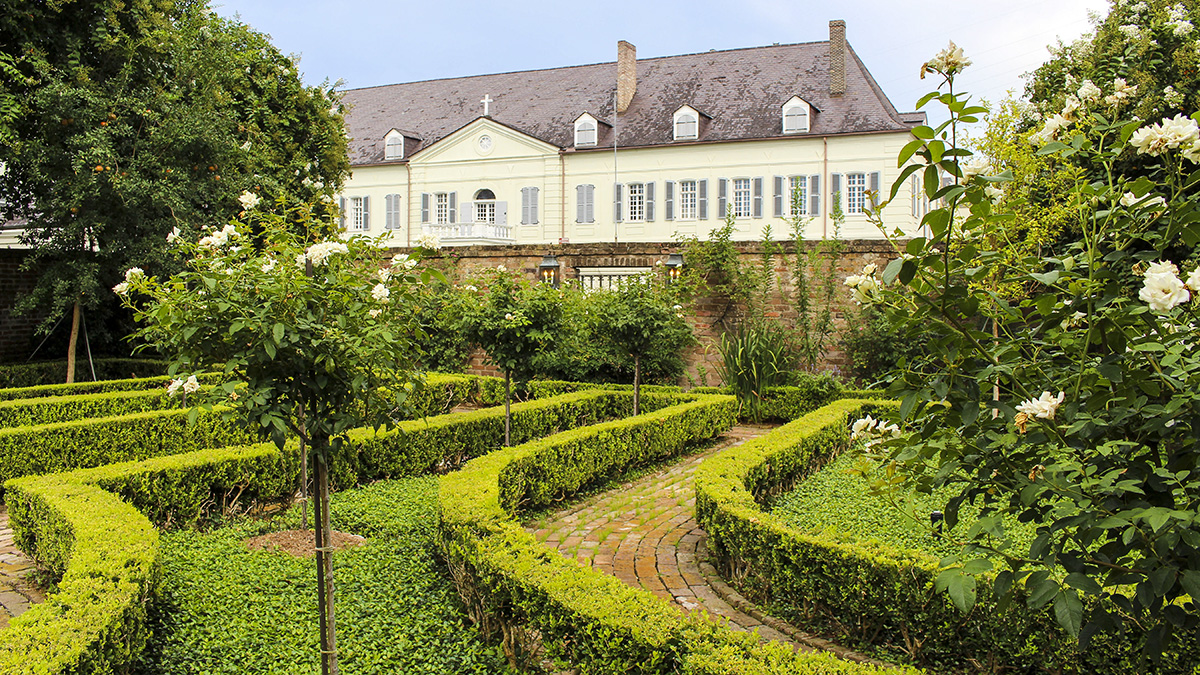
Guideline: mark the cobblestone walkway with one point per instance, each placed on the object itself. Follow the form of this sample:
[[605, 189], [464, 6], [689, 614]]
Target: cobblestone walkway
[[645, 534], [16, 592]]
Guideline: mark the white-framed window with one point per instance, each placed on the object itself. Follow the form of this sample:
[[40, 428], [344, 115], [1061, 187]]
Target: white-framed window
[[687, 200], [687, 124], [358, 213], [586, 131], [741, 198], [441, 207], [393, 147], [797, 202], [585, 203], [485, 207], [795, 116], [636, 200], [856, 189]]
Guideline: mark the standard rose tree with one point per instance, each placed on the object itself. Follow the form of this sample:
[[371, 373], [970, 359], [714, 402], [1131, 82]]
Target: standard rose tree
[[308, 332]]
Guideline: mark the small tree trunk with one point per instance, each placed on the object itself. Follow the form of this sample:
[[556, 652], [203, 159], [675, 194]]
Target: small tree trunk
[[637, 386], [72, 343], [303, 477], [324, 549], [507, 409]]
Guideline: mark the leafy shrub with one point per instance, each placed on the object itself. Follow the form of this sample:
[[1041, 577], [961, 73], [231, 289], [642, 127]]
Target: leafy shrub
[[440, 308], [52, 372], [753, 358], [98, 387], [48, 410], [877, 349], [876, 593]]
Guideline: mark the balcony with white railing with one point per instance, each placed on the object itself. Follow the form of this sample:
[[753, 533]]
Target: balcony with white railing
[[481, 222]]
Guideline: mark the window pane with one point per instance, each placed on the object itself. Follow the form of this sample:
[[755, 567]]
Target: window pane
[[799, 195], [856, 184], [443, 208], [687, 200], [741, 197], [637, 202]]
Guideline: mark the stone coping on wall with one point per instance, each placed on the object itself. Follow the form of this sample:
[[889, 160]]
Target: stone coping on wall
[[611, 249]]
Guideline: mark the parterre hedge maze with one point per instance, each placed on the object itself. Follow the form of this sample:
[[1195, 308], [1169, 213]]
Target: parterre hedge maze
[[135, 513]]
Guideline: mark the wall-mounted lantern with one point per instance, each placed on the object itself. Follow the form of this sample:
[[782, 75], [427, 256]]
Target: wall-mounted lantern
[[674, 267], [548, 270]]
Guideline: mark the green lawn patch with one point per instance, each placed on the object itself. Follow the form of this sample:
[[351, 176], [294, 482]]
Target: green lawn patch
[[223, 608]]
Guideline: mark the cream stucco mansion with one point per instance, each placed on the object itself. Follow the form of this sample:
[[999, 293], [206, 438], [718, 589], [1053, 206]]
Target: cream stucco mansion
[[633, 153]]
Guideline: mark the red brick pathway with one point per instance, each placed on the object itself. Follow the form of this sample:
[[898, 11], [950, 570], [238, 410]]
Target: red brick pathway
[[645, 534], [17, 593]]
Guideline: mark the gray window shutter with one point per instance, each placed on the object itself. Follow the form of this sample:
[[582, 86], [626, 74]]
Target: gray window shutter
[[758, 197], [525, 206], [669, 200], [702, 198], [873, 186], [814, 195], [467, 211], [425, 207], [453, 207], [391, 212], [366, 213], [779, 196], [533, 204], [650, 202], [836, 198], [342, 218], [580, 204], [914, 187], [502, 213], [722, 184], [617, 202], [589, 194]]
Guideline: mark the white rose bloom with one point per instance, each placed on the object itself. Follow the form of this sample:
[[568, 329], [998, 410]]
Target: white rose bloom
[[869, 269], [1192, 153], [862, 425], [1088, 92], [993, 193], [1193, 280], [975, 166], [403, 260], [134, 273], [1050, 129], [173, 236], [948, 61], [1153, 140], [121, 288], [508, 317], [1161, 267], [1070, 105], [269, 265], [470, 287], [501, 268], [1044, 407], [1163, 292], [248, 199], [191, 386], [429, 240], [319, 253], [174, 387], [375, 313], [385, 274], [380, 293]]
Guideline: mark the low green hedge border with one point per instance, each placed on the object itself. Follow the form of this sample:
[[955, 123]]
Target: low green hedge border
[[548, 388], [99, 387], [784, 404], [94, 526], [510, 581], [877, 593], [54, 409], [52, 372]]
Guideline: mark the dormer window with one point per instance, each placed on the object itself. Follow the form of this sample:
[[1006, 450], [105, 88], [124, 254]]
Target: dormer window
[[687, 124], [393, 147], [795, 116], [585, 131]]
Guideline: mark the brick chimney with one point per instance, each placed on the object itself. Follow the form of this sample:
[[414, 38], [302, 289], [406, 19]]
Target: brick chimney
[[626, 74], [837, 57]]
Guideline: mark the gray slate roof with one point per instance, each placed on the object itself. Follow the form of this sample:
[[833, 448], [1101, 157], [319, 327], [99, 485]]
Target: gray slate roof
[[742, 89]]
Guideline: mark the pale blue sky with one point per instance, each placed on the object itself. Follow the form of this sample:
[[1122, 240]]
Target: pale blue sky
[[370, 42]]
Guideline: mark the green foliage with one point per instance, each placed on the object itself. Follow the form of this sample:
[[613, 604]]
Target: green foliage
[[548, 388], [714, 269], [513, 584], [45, 373], [814, 280], [140, 117], [440, 308], [396, 608], [757, 356], [513, 321], [877, 348], [62, 446], [1106, 470], [48, 410], [870, 591], [97, 387]]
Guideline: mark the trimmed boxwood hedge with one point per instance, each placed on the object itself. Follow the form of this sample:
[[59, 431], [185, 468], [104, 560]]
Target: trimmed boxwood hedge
[[784, 404], [100, 387], [877, 593], [53, 409], [511, 582], [547, 388], [93, 526], [51, 372]]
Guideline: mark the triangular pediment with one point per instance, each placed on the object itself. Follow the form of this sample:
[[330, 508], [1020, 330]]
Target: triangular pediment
[[484, 139]]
